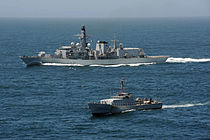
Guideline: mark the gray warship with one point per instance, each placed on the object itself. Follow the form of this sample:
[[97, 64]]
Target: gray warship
[[82, 54], [122, 102]]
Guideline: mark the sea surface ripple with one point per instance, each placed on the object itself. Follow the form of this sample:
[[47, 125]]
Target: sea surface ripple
[[50, 101]]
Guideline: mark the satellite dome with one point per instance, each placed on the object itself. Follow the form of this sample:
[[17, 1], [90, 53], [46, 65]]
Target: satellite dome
[[72, 43]]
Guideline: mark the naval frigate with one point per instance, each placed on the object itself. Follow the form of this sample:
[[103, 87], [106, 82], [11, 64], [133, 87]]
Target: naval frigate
[[82, 54]]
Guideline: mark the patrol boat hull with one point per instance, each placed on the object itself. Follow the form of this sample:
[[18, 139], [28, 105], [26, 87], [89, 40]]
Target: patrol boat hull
[[98, 109], [36, 60]]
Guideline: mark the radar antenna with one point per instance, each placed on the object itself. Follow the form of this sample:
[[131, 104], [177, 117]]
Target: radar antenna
[[114, 41]]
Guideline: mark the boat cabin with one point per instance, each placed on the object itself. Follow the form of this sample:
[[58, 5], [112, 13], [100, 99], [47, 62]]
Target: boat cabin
[[121, 99]]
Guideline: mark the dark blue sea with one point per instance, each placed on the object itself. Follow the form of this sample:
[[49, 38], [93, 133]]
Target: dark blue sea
[[50, 102]]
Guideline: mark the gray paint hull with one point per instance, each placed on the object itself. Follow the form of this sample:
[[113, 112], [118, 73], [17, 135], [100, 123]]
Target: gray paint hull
[[35, 60], [100, 109], [119, 109], [104, 109]]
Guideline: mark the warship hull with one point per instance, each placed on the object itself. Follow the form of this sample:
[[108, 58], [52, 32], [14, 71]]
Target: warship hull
[[36, 60]]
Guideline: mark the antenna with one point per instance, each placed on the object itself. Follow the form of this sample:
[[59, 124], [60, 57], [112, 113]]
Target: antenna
[[122, 84], [114, 41]]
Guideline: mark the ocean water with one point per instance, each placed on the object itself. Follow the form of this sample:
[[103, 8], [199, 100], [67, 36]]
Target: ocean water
[[50, 101]]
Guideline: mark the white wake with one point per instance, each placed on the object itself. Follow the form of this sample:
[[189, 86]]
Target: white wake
[[186, 60], [59, 64], [185, 105], [130, 110], [169, 60], [120, 65], [79, 65]]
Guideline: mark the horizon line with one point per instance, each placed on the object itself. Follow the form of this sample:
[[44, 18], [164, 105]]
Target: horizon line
[[106, 17]]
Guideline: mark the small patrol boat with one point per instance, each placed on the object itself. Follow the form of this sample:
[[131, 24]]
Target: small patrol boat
[[121, 103]]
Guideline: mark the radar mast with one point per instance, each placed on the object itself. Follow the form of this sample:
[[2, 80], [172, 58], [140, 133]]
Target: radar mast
[[82, 37], [115, 41]]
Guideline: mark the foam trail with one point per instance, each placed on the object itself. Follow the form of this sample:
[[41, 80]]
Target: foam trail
[[120, 65], [59, 64], [185, 105], [186, 60], [139, 64], [79, 65], [117, 65], [130, 110]]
